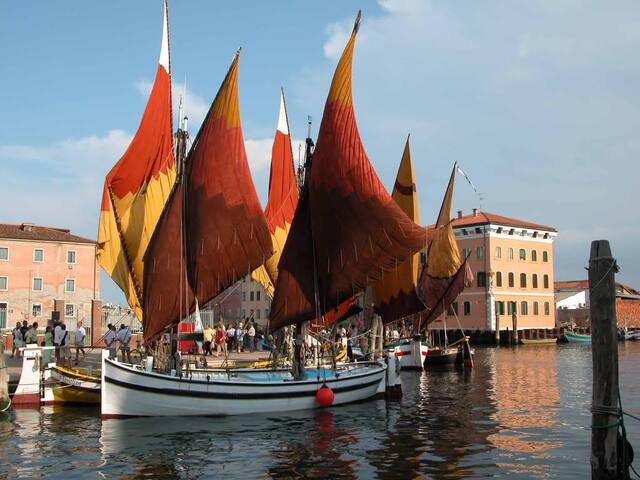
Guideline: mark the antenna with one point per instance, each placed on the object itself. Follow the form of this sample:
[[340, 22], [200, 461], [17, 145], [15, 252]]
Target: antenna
[[309, 120], [183, 120]]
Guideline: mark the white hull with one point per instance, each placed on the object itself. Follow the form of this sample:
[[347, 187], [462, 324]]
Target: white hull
[[411, 354], [130, 391]]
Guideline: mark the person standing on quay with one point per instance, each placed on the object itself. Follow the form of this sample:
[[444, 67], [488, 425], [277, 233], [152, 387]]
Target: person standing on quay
[[79, 341], [58, 333], [110, 340], [221, 340], [48, 342], [64, 347], [31, 336], [208, 334], [239, 337], [251, 333], [231, 337], [18, 341]]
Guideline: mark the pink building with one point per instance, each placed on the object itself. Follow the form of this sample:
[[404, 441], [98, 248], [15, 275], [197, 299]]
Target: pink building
[[512, 264], [46, 272]]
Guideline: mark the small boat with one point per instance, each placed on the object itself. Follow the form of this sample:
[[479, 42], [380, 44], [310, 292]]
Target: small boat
[[576, 337], [538, 341], [626, 335], [410, 353], [74, 385]]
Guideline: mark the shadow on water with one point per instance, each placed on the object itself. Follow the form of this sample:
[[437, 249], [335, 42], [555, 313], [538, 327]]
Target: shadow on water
[[522, 413]]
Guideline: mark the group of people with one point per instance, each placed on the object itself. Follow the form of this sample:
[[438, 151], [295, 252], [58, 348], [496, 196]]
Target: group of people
[[241, 337], [55, 335], [119, 339]]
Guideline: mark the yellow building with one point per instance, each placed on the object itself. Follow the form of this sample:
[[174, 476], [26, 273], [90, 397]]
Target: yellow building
[[512, 264]]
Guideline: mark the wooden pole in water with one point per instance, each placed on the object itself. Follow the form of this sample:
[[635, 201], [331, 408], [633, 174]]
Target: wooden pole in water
[[497, 328], [602, 293], [4, 378]]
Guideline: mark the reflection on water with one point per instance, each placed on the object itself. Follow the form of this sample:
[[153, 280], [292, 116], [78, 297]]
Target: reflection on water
[[521, 412]]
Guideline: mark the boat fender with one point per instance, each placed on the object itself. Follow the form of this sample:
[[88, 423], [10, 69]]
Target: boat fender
[[324, 396]]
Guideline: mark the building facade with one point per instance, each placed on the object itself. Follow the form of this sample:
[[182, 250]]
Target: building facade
[[512, 264], [46, 272], [245, 299]]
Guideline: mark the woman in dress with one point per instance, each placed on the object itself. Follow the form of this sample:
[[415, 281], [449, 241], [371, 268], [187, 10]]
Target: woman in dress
[[48, 342]]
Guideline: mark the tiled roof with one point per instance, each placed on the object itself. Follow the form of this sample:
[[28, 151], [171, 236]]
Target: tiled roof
[[579, 285], [29, 231], [483, 218]]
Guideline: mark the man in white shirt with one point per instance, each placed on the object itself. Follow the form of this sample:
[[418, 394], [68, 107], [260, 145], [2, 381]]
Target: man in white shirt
[[124, 337], [251, 333], [110, 341], [79, 340]]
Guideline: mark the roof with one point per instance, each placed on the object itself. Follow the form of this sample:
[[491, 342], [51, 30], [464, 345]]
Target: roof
[[484, 218], [579, 285], [30, 231]]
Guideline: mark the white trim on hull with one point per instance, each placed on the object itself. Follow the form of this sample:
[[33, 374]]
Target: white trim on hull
[[128, 391]]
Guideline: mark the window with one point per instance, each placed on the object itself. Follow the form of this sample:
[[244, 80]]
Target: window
[[453, 309], [482, 279], [71, 256], [510, 252], [69, 285], [545, 281], [36, 310], [523, 280], [69, 310], [511, 280], [511, 308], [478, 230], [251, 313], [498, 279], [466, 252], [546, 308], [464, 231], [499, 230], [534, 256], [500, 308], [467, 308], [258, 297], [244, 298], [545, 256], [251, 298], [4, 253], [522, 254], [37, 284], [258, 313], [480, 252], [534, 280], [512, 231], [535, 308], [524, 309], [498, 253], [4, 283], [38, 255]]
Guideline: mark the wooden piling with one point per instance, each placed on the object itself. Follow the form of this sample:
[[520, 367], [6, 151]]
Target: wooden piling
[[602, 292], [497, 329], [4, 378], [514, 324]]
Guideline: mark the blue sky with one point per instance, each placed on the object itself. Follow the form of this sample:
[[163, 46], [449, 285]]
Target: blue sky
[[537, 101]]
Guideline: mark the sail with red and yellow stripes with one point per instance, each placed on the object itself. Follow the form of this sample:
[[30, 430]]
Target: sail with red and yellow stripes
[[282, 201], [346, 221], [394, 295], [224, 234], [446, 273], [137, 187]]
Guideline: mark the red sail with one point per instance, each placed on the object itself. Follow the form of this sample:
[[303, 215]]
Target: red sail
[[445, 274], [225, 231], [358, 229]]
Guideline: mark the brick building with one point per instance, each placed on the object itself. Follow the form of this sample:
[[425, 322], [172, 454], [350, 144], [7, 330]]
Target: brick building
[[512, 264], [47, 271]]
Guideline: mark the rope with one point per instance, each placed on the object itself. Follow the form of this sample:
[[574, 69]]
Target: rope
[[5, 409]]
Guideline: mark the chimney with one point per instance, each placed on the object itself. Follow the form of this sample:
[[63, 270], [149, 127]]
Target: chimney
[[459, 213], [475, 212]]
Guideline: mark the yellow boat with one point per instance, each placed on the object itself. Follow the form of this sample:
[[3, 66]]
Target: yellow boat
[[538, 341], [75, 385]]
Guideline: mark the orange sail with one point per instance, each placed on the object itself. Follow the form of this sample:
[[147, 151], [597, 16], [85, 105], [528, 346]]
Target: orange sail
[[446, 273], [346, 221], [394, 295], [137, 187], [283, 199], [213, 231]]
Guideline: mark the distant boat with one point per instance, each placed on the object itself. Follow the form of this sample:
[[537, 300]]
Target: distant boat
[[626, 335], [538, 341], [573, 337]]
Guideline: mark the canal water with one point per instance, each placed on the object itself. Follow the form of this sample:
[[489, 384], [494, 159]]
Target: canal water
[[521, 412]]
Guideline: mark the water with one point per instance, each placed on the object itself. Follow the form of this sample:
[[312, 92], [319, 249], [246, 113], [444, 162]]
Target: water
[[521, 412]]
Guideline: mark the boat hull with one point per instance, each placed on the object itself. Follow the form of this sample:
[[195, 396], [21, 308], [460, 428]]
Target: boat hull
[[74, 386], [129, 392], [411, 354], [538, 341], [576, 338]]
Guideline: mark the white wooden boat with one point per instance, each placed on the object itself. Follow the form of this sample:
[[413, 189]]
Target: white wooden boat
[[129, 390], [410, 353]]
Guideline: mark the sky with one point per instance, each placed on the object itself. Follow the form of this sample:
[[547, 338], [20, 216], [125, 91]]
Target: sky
[[537, 101]]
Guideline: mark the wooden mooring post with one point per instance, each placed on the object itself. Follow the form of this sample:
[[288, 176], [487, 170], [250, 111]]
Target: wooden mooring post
[[4, 378], [604, 403]]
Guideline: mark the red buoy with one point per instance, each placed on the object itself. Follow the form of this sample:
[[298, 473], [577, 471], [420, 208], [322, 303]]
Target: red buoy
[[324, 396]]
